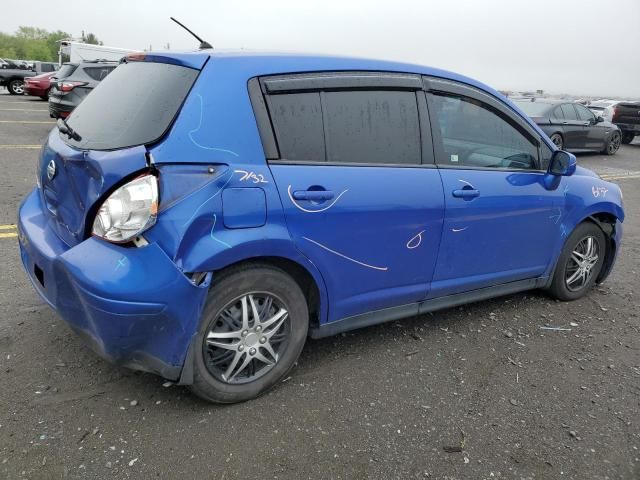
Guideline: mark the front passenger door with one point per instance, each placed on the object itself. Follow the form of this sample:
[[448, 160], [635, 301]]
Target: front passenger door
[[501, 222]]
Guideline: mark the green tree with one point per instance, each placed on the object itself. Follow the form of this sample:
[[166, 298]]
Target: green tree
[[31, 43]]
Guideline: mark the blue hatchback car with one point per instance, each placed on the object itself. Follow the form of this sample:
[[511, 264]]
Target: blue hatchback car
[[200, 214]]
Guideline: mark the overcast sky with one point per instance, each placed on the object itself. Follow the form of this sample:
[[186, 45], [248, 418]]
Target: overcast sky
[[575, 46]]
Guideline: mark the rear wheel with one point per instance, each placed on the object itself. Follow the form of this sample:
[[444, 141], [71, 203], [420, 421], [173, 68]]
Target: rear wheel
[[252, 331], [16, 87], [627, 137], [556, 138], [613, 144], [580, 262], [46, 95]]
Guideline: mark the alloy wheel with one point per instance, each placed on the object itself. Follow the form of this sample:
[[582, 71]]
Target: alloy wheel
[[17, 87], [580, 264], [247, 338], [557, 140], [614, 144]]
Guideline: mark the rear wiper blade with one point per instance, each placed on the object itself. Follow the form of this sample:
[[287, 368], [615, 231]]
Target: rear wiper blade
[[64, 128]]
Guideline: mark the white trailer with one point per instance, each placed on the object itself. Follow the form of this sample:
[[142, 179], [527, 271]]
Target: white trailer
[[82, 52]]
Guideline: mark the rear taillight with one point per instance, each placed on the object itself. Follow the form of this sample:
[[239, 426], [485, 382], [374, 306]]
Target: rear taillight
[[68, 86], [614, 112]]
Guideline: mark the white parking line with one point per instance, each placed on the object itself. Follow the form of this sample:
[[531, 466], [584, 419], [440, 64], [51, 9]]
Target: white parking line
[[21, 110], [19, 147], [621, 177], [28, 121]]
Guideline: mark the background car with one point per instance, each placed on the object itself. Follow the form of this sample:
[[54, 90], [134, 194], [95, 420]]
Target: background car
[[13, 77], [572, 126], [39, 85], [74, 83]]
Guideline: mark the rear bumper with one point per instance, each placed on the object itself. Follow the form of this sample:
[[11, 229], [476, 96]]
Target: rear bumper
[[629, 127], [132, 305], [58, 108], [35, 90]]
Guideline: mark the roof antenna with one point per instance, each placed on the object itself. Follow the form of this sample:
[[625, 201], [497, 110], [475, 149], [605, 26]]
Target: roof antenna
[[203, 44]]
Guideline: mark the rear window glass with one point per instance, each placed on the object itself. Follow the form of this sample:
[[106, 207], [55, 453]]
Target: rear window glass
[[134, 105], [66, 70], [534, 109], [99, 73]]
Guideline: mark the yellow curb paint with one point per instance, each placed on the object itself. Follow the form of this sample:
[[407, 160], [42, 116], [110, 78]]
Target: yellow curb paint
[[9, 226], [8, 235]]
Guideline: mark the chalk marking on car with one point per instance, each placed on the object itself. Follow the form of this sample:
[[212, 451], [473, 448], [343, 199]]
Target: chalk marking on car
[[191, 132], [456, 230], [211, 197], [314, 211], [599, 191], [251, 176], [215, 218], [465, 182], [384, 269], [122, 261], [415, 241], [558, 216]]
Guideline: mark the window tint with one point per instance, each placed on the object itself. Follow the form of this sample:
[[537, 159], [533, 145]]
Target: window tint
[[123, 111], [297, 120], [568, 111], [47, 67], [475, 135], [584, 113], [98, 73], [66, 70], [364, 126], [372, 127]]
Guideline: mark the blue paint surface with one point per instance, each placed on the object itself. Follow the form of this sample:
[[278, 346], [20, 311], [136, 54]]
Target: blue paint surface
[[389, 236]]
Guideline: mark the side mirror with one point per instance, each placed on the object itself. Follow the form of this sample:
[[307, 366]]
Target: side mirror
[[562, 163], [599, 119]]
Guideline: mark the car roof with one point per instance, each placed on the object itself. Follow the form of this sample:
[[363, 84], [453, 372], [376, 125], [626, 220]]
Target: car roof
[[258, 63]]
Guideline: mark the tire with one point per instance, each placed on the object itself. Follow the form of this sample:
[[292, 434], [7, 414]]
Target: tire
[[16, 87], [627, 138], [561, 287], [613, 144], [223, 337], [45, 97], [557, 139]]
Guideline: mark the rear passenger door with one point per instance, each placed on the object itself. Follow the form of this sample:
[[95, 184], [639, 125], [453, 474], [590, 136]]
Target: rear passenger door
[[353, 162], [501, 221], [575, 132], [595, 133]]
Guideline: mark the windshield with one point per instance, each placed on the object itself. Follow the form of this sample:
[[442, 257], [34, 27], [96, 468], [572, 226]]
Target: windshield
[[534, 109], [134, 105]]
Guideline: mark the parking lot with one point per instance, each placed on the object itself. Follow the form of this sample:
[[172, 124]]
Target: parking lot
[[480, 391]]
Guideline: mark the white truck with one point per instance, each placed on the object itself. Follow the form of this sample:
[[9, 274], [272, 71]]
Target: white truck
[[82, 52]]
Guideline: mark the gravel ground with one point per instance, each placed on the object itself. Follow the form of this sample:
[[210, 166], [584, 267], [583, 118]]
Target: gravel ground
[[477, 392]]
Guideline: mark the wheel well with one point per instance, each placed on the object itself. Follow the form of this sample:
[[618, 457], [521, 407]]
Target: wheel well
[[606, 222], [299, 274]]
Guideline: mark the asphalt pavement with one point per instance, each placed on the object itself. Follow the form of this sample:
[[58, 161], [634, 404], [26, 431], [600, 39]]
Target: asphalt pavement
[[478, 392]]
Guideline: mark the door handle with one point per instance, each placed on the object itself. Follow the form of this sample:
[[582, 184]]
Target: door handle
[[313, 195], [466, 193]]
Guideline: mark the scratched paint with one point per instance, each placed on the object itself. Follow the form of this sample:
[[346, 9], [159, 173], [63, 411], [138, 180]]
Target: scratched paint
[[557, 216], [415, 241], [306, 210], [342, 255]]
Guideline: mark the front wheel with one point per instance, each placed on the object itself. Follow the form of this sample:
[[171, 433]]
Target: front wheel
[[613, 144], [627, 137], [252, 331], [580, 262], [556, 138], [16, 87]]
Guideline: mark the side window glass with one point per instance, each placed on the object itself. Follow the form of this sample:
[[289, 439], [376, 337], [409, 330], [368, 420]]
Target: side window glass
[[557, 113], [584, 114], [475, 135], [297, 122], [372, 127], [98, 73], [568, 111]]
